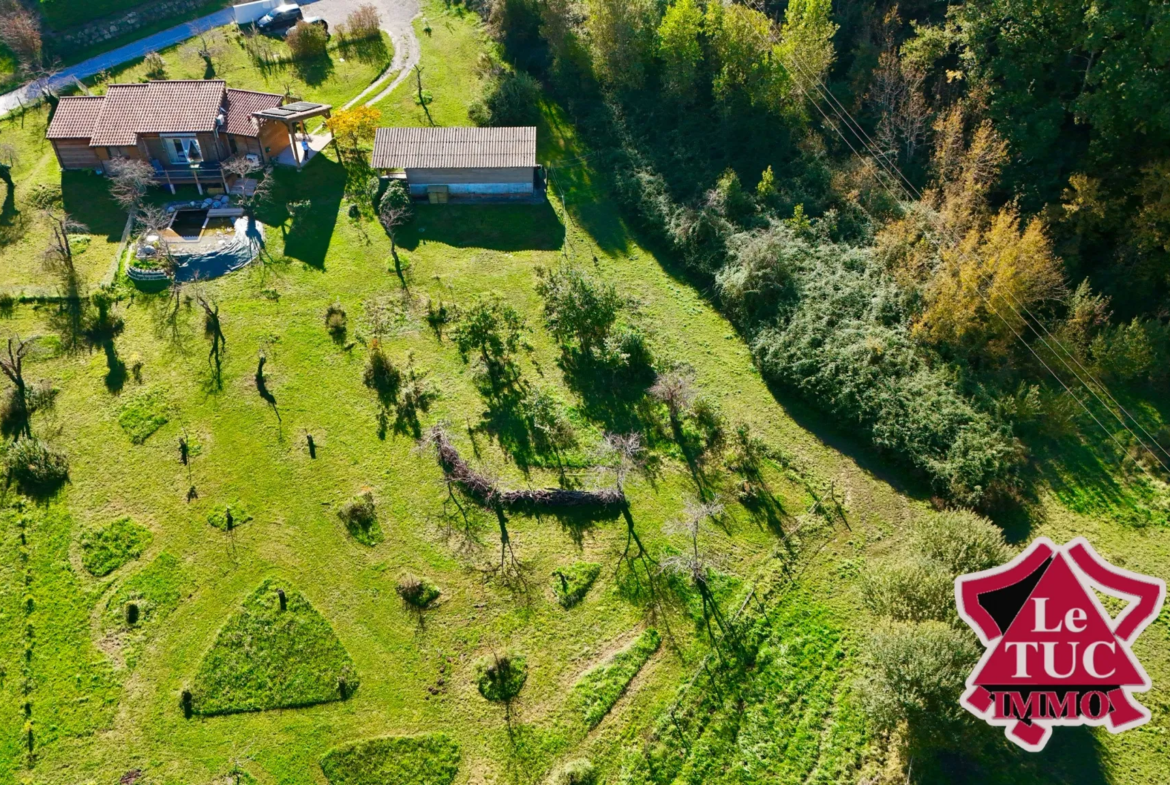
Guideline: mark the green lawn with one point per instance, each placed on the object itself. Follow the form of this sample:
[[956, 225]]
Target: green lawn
[[105, 699], [24, 231]]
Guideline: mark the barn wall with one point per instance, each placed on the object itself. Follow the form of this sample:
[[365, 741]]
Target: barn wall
[[76, 154], [517, 174]]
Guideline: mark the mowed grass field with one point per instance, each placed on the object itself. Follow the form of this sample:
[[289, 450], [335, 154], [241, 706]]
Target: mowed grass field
[[24, 232], [102, 700]]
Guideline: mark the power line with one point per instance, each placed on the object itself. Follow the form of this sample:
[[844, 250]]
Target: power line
[[912, 191], [904, 185]]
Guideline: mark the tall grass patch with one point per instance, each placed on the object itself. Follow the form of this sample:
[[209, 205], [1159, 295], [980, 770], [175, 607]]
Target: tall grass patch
[[108, 548], [428, 759], [143, 414], [572, 583], [269, 657], [599, 689]]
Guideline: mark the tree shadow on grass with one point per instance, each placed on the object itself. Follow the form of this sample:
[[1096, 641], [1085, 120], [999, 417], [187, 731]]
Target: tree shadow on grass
[[495, 227], [86, 198], [576, 521], [615, 400], [1073, 755], [321, 182], [367, 50]]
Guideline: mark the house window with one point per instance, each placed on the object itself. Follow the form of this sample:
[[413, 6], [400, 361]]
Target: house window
[[183, 149]]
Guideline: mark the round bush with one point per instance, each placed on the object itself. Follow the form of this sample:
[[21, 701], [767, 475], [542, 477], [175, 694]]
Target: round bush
[[575, 772], [35, 465], [500, 677]]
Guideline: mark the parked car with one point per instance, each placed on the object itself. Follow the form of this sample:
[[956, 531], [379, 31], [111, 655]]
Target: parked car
[[280, 20]]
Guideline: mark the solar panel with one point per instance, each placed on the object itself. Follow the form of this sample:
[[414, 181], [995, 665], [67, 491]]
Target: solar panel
[[280, 111], [301, 106]]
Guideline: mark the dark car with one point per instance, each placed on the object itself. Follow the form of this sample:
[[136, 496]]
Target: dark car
[[280, 19]]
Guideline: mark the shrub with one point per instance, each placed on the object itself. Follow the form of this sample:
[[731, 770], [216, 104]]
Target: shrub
[[45, 196], [307, 41], [961, 541], [599, 689], [418, 592], [336, 321], [500, 677], [396, 196], [156, 67], [360, 517], [382, 376], [909, 590], [268, 658], [363, 22], [429, 759], [572, 584], [914, 673], [842, 343], [575, 772], [35, 466], [108, 548], [512, 98]]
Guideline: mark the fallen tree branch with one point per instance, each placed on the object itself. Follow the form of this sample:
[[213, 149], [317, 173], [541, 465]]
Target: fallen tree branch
[[488, 494]]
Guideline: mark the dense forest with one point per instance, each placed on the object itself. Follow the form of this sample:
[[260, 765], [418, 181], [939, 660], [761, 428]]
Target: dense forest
[[948, 224]]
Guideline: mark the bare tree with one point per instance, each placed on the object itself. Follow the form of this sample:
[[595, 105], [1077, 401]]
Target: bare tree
[[58, 255], [423, 98], [13, 367], [392, 216], [694, 565], [9, 156], [213, 330], [20, 30], [130, 179], [152, 220], [896, 94], [675, 389]]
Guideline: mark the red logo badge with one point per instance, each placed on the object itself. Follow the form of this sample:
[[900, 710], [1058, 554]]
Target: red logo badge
[[1054, 655]]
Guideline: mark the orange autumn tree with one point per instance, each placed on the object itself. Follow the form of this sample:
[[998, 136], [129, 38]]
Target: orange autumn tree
[[976, 298], [353, 127]]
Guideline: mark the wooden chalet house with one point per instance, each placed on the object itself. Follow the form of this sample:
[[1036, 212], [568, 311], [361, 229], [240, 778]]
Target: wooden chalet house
[[184, 128]]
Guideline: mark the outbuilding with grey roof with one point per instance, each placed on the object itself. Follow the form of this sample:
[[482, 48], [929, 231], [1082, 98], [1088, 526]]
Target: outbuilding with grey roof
[[438, 163]]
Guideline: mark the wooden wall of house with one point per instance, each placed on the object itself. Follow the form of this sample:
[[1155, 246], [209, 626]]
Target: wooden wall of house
[[273, 138], [76, 154], [518, 174]]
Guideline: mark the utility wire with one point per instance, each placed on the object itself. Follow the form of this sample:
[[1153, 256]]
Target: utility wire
[[908, 187], [902, 184]]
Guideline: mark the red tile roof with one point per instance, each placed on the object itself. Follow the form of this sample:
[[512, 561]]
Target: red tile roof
[[177, 106], [75, 117], [242, 104]]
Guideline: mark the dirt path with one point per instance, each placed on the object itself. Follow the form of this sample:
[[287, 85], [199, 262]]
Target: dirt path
[[397, 20]]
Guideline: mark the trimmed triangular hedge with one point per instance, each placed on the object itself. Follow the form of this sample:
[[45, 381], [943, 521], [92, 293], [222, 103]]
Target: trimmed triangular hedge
[[268, 658]]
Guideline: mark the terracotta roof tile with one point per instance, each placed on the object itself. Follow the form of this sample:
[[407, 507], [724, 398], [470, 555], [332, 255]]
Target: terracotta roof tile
[[454, 148], [75, 117], [242, 104], [178, 106]]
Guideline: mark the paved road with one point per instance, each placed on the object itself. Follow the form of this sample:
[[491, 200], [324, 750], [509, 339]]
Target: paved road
[[95, 65], [396, 20]]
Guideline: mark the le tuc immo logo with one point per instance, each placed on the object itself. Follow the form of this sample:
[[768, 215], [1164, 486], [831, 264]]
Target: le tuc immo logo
[[1054, 654]]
